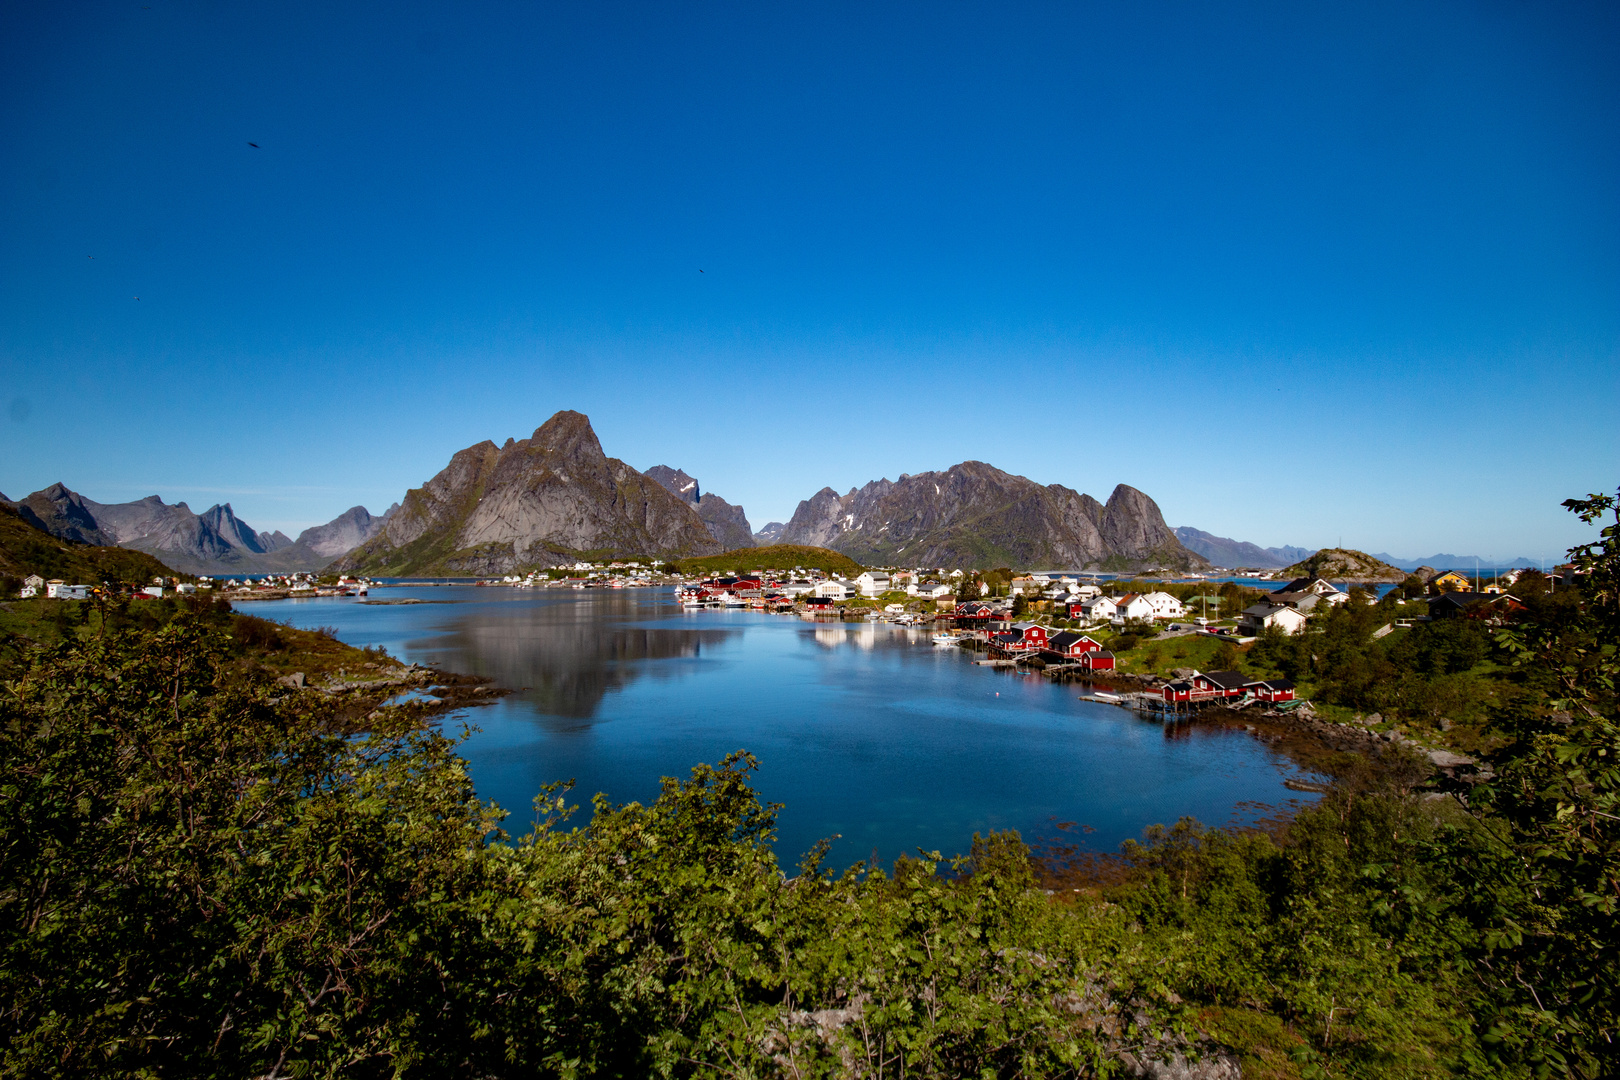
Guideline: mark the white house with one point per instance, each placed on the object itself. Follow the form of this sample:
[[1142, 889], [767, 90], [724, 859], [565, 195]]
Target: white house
[[155, 591], [1099, 608], [835, 589], [1262, 615], [60, 590], [1132, 606], [930, 590], [1165, 606], [872, 582]]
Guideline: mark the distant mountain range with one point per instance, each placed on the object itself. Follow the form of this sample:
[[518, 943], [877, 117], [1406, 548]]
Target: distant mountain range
[[975, 515], [1224, 552], [556, 497], [213, 542], [1445, 561]]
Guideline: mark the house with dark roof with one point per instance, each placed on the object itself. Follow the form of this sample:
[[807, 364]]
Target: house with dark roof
[[1178, 691], [1069, 644], [1220, 683], [1097, 660], [1494, 608]]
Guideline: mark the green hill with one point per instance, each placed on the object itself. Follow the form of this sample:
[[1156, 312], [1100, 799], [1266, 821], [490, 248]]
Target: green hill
[[1344, 564], [775, 557], [25, 550]]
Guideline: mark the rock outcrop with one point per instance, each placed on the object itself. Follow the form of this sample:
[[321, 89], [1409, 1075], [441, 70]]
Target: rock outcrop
[[726, 523], [770, 534], [1345, 564], [1223, 551], [975, 515], [543, 501]]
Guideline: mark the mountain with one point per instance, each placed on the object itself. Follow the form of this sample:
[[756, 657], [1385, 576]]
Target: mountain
[[26, 549], [64, 514], [727, 523], [543, 501], [770, 534], [1226, 552], [213, 542], [1345, 564], [677, 483], [975, 515], [1445, 560], [343, 533]]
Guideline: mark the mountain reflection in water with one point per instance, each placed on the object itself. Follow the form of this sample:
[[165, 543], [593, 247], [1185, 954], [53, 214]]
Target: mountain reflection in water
[[564, 658]]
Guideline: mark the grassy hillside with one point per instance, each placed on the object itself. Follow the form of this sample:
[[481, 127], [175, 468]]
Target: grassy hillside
[[272, 646], [1338, 564], [25, 550], [775, 557]]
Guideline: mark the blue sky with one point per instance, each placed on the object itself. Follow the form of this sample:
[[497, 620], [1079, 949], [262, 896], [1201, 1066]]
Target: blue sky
[[1298, 272]]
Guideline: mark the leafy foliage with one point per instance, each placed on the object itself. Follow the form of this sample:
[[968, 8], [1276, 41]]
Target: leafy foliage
[[200, 874]]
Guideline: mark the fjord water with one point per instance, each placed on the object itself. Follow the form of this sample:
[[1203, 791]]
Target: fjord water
[[864, 731]]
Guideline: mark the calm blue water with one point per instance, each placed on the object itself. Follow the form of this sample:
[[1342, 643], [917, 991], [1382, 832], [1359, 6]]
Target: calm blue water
[[862, 730]]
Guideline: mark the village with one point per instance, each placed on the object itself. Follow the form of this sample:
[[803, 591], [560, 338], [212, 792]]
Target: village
[[1063, 626]]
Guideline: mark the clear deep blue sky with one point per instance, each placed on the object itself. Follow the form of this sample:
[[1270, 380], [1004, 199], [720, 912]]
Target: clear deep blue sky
[[1300, 272]]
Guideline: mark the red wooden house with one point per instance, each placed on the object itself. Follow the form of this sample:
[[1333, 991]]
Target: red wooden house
[[1034, 634], [1071, 645], [1220, 683], [1272, 690], [1097, 660], [1177, 691]]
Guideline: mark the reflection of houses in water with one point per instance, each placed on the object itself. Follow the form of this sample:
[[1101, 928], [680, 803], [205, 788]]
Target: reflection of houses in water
[[861, 635], [568, 655]]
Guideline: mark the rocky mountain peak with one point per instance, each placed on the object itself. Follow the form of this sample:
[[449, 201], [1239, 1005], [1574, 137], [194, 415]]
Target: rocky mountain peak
[[544, 501], [568, 434], [677, 482]]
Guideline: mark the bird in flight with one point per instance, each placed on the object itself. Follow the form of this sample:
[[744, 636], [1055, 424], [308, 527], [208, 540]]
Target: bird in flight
[[254, 145], [89, 256], [700, 271]]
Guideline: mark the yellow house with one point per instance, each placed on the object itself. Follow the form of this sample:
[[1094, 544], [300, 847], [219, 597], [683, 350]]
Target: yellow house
[[1451, 581]]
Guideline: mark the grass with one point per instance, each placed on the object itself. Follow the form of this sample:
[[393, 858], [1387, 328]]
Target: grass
[[1160, 656], [774, 557]]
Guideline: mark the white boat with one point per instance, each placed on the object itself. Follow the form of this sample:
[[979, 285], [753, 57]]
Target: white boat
[[945, 639], [733, 600]]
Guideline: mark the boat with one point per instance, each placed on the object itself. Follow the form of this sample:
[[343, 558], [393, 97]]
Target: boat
[[945, 639]]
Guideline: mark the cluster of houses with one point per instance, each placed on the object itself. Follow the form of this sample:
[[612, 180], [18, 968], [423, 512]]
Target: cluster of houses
[[1206, 686], [1289, 607], [56, 589], [1031, 638]]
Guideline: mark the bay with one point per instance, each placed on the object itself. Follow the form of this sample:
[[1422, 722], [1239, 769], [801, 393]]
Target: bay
[[864, 731]]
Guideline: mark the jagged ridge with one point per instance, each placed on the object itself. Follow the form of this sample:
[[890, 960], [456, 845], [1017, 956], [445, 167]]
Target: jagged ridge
[[975, 515], [542, 501]]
